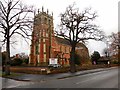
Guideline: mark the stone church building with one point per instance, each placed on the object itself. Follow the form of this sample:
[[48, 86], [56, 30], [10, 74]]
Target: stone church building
[[45, 44]]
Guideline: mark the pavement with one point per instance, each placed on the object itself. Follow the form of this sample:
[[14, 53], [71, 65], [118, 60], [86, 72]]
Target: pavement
[[37, 77]]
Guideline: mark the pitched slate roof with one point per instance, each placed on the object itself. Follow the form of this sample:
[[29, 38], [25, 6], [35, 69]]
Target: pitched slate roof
[[62, 40], [66, 42]]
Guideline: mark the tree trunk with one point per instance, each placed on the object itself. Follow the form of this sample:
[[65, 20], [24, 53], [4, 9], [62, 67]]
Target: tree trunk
[[72, 60], [7, 61]]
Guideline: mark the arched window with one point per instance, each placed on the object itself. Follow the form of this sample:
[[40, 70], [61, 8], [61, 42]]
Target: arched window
[[45, 20], [49, 22]]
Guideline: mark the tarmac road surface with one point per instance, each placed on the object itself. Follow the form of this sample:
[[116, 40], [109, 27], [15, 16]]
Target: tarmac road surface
[[103, 79]]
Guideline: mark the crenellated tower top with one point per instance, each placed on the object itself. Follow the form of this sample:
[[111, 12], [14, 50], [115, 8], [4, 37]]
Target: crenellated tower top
[[43, 17]]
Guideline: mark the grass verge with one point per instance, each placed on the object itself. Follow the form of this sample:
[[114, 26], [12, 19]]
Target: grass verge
[[12, 74]]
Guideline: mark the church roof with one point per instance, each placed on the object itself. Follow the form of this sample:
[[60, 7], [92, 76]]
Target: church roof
[[62, 40], [66, 42]]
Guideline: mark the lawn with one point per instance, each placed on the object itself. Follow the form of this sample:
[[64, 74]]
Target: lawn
[[12, 74]]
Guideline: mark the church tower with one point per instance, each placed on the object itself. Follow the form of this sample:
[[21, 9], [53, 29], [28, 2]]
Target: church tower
[[42, 35]]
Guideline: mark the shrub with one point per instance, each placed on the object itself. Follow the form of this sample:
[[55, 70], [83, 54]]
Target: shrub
[[16, 61], [115, 62], [26, 61], [95, 56]]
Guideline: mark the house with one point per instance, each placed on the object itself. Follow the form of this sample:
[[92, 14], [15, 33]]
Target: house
[[104, 60]]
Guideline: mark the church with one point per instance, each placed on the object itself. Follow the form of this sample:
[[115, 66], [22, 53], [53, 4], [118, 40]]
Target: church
[[45, 45]]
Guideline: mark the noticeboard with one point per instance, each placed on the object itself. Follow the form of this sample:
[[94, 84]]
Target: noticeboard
[[53, 61]]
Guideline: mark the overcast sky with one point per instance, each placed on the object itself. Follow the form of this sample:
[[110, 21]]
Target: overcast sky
[[107, 10]]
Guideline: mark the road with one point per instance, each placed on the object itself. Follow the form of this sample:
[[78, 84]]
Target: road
[[103, 79], [9, 83]]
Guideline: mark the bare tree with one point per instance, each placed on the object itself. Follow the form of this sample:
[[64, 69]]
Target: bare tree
[[76, 27], [14, 19], [114, 38]]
